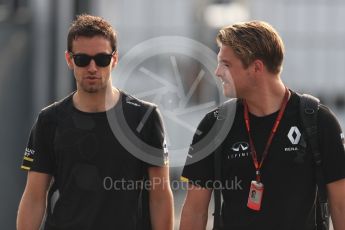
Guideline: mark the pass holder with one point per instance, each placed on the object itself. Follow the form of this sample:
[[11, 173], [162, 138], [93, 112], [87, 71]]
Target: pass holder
[[255, 195]]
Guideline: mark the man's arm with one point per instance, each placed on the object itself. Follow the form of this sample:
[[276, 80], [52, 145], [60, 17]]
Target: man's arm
[[161, 199], [195, 209], [336, 197], [33, 203]]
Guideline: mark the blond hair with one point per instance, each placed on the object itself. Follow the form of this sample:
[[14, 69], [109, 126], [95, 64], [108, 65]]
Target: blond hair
[[254, 40]]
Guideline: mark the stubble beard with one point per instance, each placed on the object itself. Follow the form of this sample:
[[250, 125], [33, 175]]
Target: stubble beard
[[93, 88]]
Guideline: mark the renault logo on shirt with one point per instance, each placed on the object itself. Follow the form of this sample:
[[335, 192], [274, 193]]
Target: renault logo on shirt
[[294, 135], [240, 146]]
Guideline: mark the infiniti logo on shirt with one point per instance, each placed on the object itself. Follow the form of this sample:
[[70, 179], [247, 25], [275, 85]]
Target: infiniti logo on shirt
[[239, 150], [240, 146]]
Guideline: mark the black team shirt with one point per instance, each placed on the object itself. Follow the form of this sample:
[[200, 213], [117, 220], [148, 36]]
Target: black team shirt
[[287, 172], [96, 181]]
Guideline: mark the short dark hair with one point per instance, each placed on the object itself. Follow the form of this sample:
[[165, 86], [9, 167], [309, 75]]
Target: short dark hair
[[89, 26], [254, 40]]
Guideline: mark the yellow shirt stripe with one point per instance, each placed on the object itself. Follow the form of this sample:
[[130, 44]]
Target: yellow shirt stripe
[[184, 179], [24, 167], [28, 159]]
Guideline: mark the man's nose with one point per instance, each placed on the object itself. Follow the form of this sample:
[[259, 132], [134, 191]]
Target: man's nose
[[217, 71], [92, 67]]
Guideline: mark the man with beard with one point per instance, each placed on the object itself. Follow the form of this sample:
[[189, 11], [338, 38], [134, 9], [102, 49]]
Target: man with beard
[[80, 175]]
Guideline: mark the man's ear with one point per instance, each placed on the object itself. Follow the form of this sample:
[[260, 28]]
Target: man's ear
[[256, 71], [258, 66], [69, 60], [115, 59]]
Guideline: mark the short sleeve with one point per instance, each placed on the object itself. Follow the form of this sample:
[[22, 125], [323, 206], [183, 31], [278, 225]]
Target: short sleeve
[[153, 135], [200, 173], [331, 141], [38, 154]]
